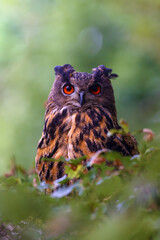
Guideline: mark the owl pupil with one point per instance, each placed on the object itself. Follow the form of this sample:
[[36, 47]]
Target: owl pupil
[[95, 88], [68, 88]]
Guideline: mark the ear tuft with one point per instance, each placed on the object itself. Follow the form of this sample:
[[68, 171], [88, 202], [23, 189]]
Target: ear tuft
[[61, 69], [102, 70], [113, 75]]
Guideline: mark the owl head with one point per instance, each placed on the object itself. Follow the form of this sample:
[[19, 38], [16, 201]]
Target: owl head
[[80, 90]]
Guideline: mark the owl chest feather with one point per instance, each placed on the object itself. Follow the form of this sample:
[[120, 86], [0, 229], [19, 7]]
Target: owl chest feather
[[88, 132], [79, 133], [72, 134]]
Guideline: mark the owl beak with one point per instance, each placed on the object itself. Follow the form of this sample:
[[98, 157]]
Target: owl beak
[[81, 98]]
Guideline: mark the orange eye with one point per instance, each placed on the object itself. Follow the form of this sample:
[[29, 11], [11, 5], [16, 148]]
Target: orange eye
[[95, 89], [68, 89]]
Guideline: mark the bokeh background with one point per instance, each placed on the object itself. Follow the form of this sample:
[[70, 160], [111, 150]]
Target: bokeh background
[[37, 35]]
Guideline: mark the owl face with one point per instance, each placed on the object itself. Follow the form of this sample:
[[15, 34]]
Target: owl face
[[81, 90]]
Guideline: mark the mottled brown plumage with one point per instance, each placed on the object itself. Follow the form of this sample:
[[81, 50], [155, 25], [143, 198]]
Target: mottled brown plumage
[[79, 113]]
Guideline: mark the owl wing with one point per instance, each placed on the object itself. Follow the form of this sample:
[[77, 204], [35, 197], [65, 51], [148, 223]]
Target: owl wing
[[52, 145], [90, 134], [126, 144]]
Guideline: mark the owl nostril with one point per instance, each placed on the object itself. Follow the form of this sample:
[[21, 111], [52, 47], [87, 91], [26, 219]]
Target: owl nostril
[[81, 98]]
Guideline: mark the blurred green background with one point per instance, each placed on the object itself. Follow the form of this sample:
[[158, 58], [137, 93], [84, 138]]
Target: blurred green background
[[37, 35]]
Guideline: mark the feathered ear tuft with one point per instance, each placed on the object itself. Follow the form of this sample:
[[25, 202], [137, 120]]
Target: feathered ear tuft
[[62, 69], [102, 70]]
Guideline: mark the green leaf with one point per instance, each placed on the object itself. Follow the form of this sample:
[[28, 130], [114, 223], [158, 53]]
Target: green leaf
[[74, 173]]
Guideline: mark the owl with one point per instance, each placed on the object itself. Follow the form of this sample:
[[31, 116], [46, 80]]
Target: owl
[[80, 111]]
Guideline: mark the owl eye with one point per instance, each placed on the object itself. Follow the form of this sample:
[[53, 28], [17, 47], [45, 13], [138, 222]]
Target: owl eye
[[95, 89], [68, 89]]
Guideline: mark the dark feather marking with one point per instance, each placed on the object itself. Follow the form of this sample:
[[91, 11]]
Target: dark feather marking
[[105, 130], [40, 143], [40, 173], [46, 135], [45, 128], [118, 148], [45, 125], [56, 121], [43, 168], [48, 140], [99, 116], [61, 129], [95, 117], [77, 141], [96, 146], [53, 151], [109, 144], [90, 126], [95, 123], [83, 119], [96, 134], [118, 127], [41, 177], [77, 119], [90, 145], [47, 110], [51, 131], [81, 136], [103, 138], [91, 114], [75, 148], [93, 147], [74, 156], [85, 131], [109, 120], [47, 174], [64, 113], [60, 167], [51, 164], [81, 152]]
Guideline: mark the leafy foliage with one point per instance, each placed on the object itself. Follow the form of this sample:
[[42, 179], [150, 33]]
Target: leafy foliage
[[120, 200]]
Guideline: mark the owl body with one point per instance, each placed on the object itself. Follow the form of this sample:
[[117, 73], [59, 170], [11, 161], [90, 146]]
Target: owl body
[[79, 113]]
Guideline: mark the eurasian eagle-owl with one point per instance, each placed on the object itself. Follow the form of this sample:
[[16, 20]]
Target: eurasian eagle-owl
[[79, 113]]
